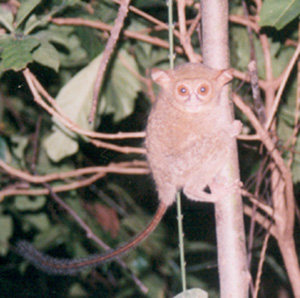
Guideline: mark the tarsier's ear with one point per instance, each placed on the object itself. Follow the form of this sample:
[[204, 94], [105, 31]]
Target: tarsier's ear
[[159, 76], [224, 76]]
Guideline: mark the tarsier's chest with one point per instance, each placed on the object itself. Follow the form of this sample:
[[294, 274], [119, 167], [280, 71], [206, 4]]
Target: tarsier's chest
[[181, 145]]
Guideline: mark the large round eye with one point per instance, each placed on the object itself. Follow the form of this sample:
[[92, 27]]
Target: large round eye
[[203, 89], [182, 90]]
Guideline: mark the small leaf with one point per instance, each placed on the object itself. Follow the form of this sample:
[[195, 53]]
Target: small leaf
[[58, 145], [24, 203], [38, 221], [77, 290], [54, 234], [19, 146], [47, 55], [6, 18], [3, 149], [6, 227], [17, 53], [122, 88], [27, 6], [278, 13]]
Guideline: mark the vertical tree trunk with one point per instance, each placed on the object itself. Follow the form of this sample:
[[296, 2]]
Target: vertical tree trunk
[[233, 272]]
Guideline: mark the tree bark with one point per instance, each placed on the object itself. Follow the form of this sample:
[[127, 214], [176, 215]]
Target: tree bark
[[232, 259]]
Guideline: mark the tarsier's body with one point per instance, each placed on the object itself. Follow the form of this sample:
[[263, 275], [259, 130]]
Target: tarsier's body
[[187, 143]]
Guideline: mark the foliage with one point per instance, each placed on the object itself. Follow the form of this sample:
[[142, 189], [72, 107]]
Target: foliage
[[65, 59]]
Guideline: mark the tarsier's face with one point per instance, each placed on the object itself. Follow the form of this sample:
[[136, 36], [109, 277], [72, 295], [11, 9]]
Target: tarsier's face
[[192, 95], [191, 87]]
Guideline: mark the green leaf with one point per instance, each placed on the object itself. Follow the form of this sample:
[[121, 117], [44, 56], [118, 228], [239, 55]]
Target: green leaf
[[24, 203], [17, 53], [27, 6], [278, 13], [47, 55], [75, 99], [121, 89], [72, 53], [77, 290], [55, 233], [59, 145], [19, 145], [7, 18], [6, 228], [3, 149], [38, 221]]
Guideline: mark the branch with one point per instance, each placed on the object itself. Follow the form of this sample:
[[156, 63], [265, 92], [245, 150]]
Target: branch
[[130, 168], [102, 26], [114, 36]]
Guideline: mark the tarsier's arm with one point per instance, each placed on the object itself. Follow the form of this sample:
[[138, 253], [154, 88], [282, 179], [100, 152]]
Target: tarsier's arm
[[58, 266]]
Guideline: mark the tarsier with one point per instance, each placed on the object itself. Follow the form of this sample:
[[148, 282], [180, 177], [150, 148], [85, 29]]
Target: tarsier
[[187, 141]]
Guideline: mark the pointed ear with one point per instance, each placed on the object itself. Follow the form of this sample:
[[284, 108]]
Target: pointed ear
[[224, 76], [159, 76]]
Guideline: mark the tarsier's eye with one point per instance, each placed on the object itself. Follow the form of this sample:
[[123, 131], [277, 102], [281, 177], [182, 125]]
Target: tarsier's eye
[[203, 89], [182, 90]]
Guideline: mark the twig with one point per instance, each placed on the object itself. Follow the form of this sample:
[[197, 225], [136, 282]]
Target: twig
[[71, 125], [261, 220], [260, 265], [114, 36], [102, 26], [252, 67], [185, 39], [131, 168], [267, 141], [296, 118], [195, 23], [148, 17], [282, 86], [60, 114], [38, 192]]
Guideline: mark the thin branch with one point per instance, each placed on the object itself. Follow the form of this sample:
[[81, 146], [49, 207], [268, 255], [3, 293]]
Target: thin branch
[[71, 125], [267, 141], [262, 221], [185, 39], [148, 17], [7, 192], [282, 86], [195, 22], [296, 118], [102, 26], [253, 72], [112, 40], [260, 265], [60, 114], [132, 168]]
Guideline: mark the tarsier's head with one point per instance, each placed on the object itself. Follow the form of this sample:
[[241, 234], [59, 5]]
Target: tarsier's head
[[192, 87]]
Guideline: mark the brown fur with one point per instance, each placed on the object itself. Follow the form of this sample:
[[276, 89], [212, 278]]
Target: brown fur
[[188, 138], [187, 145]]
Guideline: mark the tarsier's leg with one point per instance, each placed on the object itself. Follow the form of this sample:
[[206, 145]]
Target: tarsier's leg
[[194, 191]]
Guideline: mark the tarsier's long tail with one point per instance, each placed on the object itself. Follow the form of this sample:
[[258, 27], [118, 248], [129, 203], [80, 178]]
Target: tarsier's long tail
[[58, 266]]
